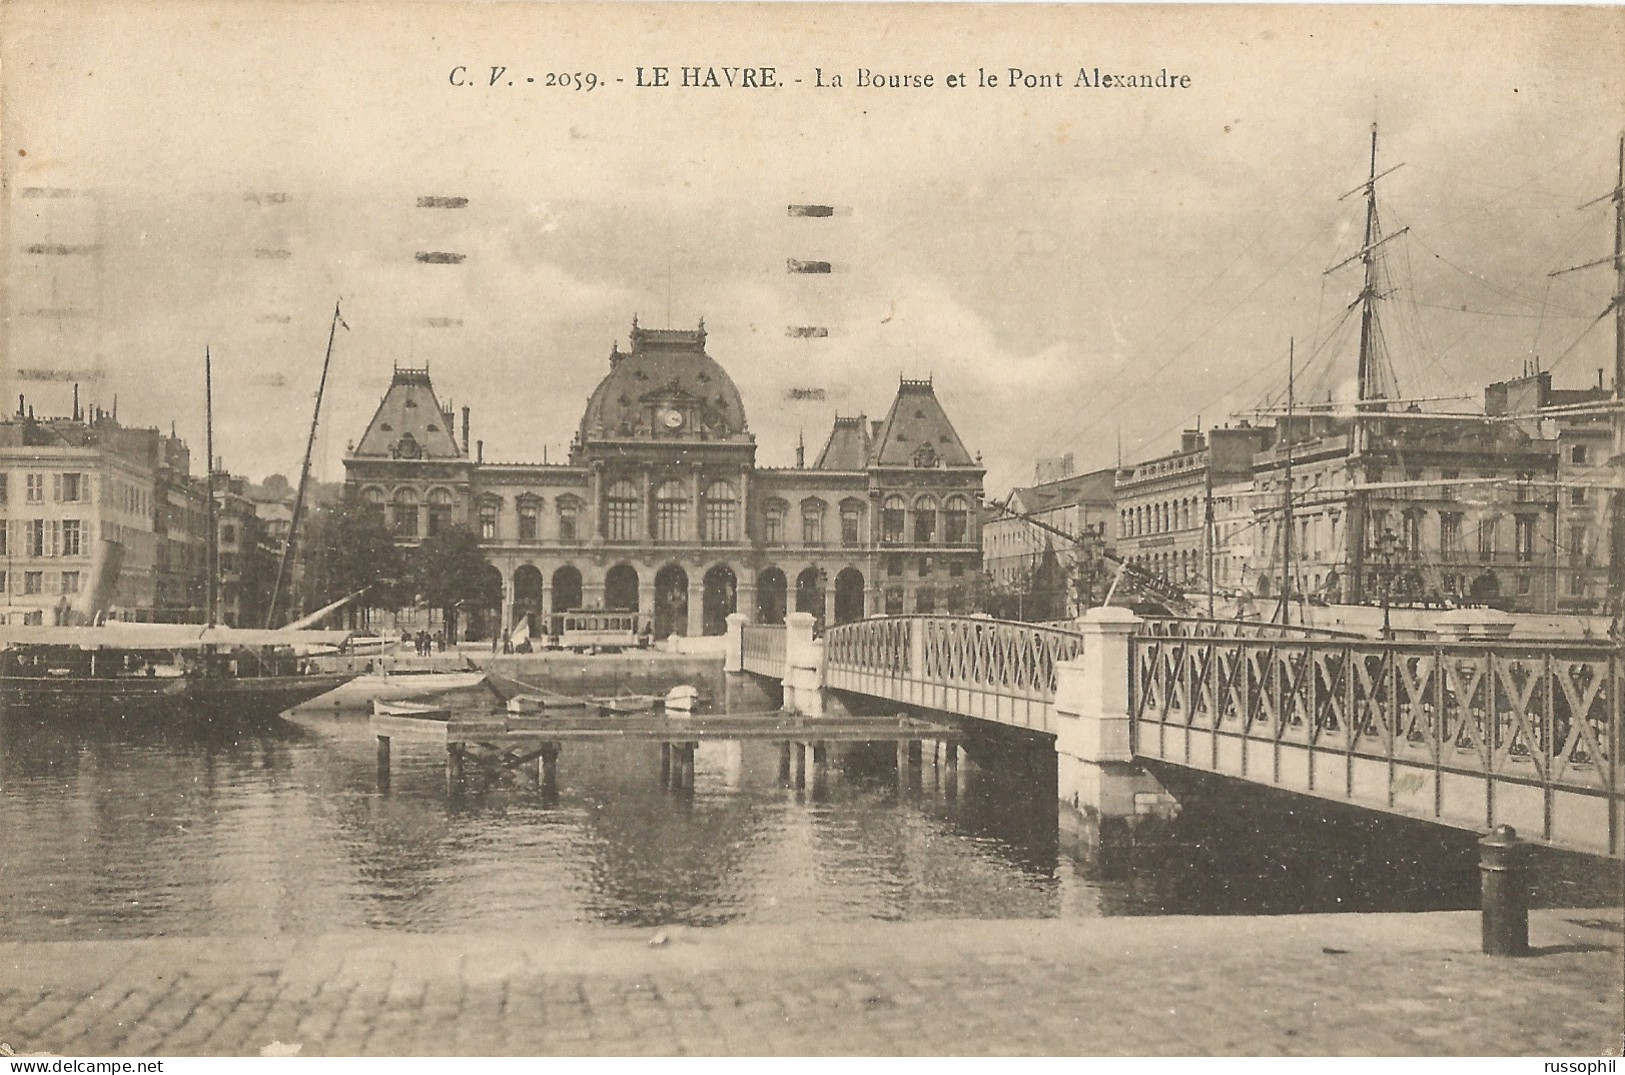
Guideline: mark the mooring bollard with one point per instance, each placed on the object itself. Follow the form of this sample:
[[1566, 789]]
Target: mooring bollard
[[1504, 892]]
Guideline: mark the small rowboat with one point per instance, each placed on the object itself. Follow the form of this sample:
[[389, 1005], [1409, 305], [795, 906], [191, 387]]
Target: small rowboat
[[627, 703], [682, 698], [540, 701], [381, 708]]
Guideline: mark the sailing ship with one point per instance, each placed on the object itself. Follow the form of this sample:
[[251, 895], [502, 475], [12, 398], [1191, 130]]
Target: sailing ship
[[162, 668], [192, 669]]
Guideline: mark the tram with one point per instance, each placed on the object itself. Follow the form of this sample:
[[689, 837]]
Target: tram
[[593, 629]]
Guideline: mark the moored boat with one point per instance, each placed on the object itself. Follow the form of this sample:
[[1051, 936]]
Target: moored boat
[[216, 672]]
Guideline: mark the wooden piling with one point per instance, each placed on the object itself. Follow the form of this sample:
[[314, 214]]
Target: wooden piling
[[665, 765], [383, 763], [454, 768]]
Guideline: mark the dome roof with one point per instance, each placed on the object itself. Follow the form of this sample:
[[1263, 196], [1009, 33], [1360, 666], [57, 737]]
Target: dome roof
[[666, 387]]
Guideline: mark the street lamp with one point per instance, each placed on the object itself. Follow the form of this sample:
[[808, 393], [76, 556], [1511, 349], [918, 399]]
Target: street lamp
[[1386, 544]]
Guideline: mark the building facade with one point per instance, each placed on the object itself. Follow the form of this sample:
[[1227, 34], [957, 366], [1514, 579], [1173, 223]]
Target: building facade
[[1162, 503], [662, 509], [99, 520], [1031, 570]]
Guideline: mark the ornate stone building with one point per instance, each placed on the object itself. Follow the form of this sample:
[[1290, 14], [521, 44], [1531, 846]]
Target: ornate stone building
[[662, 508]]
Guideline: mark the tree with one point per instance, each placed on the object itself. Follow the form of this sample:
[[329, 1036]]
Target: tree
[[449, 571], [348, 548]]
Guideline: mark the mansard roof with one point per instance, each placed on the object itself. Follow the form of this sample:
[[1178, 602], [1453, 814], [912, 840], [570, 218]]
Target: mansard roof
[[848, 445], [916, 432], [665, 369], [409, 422]]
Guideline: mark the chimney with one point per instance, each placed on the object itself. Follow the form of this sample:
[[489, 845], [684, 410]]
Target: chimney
[[801, 452], [465, 431], [76, 401], [479, 445]]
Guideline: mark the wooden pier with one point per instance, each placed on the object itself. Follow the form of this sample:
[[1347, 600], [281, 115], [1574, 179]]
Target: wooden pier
[[530, 743]]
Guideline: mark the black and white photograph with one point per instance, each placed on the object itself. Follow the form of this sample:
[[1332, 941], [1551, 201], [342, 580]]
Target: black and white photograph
[[810, 529]]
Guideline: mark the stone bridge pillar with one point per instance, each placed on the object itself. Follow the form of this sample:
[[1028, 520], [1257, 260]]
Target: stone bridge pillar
[[803, 666], [733, 658], [1096, 774]]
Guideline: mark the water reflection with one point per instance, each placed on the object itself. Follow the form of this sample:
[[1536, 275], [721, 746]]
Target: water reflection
[[139, 829]]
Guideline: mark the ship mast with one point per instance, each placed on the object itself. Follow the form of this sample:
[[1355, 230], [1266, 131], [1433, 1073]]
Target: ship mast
[[1284, 612], [1616, 507], [211, 554], [304, 472], [1369, 382]]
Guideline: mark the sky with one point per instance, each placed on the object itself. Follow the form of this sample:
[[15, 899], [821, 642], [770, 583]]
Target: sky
[[1078, 269]]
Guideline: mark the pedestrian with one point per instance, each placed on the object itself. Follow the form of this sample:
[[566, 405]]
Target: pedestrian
[[494, 641], [507, 640], [440, 641]]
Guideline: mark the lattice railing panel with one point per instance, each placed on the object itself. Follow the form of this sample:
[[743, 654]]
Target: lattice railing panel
[[763, 648], [1539, 715]]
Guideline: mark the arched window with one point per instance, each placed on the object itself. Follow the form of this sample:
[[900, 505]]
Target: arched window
[[621, 512], [892, 520], [671, 511], [925, 520], [773, 516], [406, 513], [812, 522], [721, 513], [372, 503], [955, 520], [440, 508]]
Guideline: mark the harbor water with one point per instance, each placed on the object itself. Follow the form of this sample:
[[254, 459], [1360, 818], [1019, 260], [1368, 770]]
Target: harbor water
[[111, 828]]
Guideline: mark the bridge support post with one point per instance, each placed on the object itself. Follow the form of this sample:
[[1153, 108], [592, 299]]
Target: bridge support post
[[798, 765], [784, 763], [665, 765], [733, 658], [1096, 774]]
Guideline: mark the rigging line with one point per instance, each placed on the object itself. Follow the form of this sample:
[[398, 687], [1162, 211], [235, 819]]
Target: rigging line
[[1583, 334], [1534, 343], [1336, 334], [1540, 316], [1075, 420], [1325, 346], [1479, 277]]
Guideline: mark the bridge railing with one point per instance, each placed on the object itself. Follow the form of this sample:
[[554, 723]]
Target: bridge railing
[[1470, 734], [1194, 627], [763, 649], [991, 669]]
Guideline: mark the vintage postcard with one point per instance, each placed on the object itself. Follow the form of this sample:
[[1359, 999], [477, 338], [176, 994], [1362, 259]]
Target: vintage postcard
[[734, 529]]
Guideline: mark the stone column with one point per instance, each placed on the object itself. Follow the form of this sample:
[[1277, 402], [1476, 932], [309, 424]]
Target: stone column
[[696, 605], [646, 597], [1095, 769], [507, 603]]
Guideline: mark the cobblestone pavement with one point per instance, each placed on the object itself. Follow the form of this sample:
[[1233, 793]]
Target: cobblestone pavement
[[1320, 984]]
